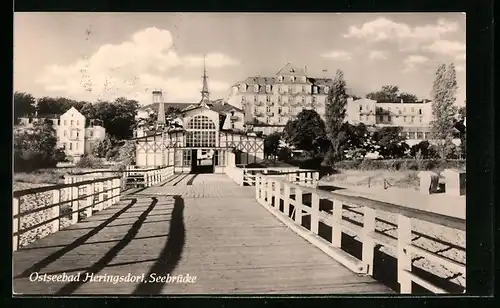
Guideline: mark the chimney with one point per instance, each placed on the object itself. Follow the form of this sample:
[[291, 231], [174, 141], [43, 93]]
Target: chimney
[[158, 98]]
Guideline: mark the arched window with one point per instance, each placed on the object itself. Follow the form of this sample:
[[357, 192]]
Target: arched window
[[201, 132]]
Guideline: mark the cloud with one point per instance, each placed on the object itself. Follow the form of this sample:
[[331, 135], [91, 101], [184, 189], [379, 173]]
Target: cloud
[[131, 69], [448, 48], [411, 61], [377, 55], [383, 29], [337, 55]]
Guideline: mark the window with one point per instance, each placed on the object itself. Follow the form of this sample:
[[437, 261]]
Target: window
[[268, 109], [64, 145], [360, 108], [267, 119], [412, 109], [255, 98], [65, 133], [420, 111], [186, 157], [65, 123], [404, 109], [232, 113], [314, 99], [77, 122], [71, 145], [232, 125], [420, 135], [389, 118], [291, 109], [412, 119], [268, 88], [242, 99], [290, 90], [268, 98], [303, 99], [279, 120], [77, 134], [315, 89], [91, 133], [201, 132], [256, 88], [255, 110], [280, 78], [290, 99], [76, 146], [326, 89], [420, 119], [292, 79], [279, 110], [304, 89], [381, 118], [279, 98], [404, 118]]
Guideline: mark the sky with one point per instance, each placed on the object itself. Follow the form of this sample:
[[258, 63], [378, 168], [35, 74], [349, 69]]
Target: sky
[[92, 56]]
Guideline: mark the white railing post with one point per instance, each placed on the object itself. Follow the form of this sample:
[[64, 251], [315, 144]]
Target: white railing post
[[75, 204], [368, 243], [314, 213], [257, 187], [15, 223], [404, 257], [56, 210], [100, 196], [298, 206], [302, 178], [277, 194], [286, 199], [109, 193], [118, 190], [90, 199], [337, 224]]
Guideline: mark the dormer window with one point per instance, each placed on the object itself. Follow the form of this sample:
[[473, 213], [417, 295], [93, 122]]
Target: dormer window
[[326, 89], [268, 88], [280, 78], [292, 79], [256, 88], [315, 89], [243, 87]]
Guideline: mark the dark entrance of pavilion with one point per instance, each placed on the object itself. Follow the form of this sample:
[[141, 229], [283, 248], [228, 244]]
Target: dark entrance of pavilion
[[202, 161]]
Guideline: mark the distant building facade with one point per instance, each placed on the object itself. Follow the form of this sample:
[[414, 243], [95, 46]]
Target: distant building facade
[[72, 132], [269, 102]]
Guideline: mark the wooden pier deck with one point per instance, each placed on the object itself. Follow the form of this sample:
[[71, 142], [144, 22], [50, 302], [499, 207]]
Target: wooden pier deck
[[204, 226]]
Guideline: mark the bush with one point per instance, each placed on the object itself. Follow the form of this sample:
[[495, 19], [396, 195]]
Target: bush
[[88, 161], [400, 164]]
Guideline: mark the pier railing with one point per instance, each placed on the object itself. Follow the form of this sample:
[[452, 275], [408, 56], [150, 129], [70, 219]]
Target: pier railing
[[293, 204], [247, 176], [51, 204]]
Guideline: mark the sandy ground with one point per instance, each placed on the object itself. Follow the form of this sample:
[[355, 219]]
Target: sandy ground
[[405, 181]]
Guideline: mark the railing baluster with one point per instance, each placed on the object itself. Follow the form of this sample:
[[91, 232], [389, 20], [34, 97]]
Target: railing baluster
[[404, 257], [100, 196], [337, 221], [314, 213], [90, 199], [75, 204], [56, 210], [298, 206], [15, 223], [286, 199], [368, 243], [277, 194]]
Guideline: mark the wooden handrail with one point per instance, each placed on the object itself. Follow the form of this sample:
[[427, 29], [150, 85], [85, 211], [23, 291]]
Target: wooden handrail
[[271, 191]]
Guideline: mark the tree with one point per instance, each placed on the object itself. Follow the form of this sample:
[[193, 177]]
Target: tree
[[24, 104], [36, 148], [307, 132], [444, 91], [407, 97], [391, 93], [390, 141], [271, 144], [387, 93], [101, 147], [335, 113], [423, 150]]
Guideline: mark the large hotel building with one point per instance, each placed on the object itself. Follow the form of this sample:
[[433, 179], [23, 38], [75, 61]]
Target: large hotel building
[[269, 102]]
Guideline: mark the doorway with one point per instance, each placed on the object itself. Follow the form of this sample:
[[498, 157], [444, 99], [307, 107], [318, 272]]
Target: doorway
[[202, 161]]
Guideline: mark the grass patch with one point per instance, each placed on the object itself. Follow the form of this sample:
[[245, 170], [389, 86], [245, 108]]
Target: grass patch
[[38, 177]]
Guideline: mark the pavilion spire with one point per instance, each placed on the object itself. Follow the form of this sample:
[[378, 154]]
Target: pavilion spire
[[205, 94]]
